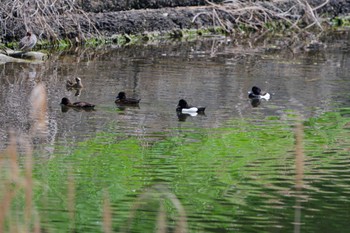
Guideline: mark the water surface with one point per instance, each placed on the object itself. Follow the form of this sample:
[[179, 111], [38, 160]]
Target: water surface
[[232, 169]]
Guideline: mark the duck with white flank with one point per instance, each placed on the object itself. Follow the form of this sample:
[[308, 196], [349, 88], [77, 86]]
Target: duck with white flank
[[257, 94], [183, 107]]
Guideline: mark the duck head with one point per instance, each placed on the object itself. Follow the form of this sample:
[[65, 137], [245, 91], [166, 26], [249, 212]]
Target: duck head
[[256, 90], [65, 101], [78, 80], [182, 104], [121, 95]]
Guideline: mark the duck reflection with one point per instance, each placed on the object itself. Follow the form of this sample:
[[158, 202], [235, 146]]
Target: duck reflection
[[77, 92], [255, 102], [67, 108], [123, 107], [183, 116]]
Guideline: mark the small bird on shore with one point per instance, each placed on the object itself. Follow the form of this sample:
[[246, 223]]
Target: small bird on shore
[[256, 94], [185, 108], [28, 42], [78, 84], [66, 102], [122, 99]]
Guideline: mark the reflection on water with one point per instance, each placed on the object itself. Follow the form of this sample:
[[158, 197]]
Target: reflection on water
[[160, 75], [212, 73]]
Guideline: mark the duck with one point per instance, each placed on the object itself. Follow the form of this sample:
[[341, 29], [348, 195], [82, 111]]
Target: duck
[[76, 85], [28, 42], [66, 102], [122, 99], [256, 94], [183, 107]]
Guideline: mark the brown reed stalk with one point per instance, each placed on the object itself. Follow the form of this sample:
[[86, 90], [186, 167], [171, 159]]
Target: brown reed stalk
[[15, 182], [71, 199], [38, 113], [5, 204], [299, 175], [11, 152], [107, 214], [28, 184], [37, 228], [181, 226], [161, 219], [160, 193], [11, 185], [299, 156]]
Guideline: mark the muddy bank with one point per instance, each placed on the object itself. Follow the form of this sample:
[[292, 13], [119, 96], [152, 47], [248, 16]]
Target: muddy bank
[[163, 18], [334, 7], [160, 20], [97, 6], [180, 18]]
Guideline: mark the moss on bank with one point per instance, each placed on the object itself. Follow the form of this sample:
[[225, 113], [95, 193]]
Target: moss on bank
[[130, 39], [277, 27]]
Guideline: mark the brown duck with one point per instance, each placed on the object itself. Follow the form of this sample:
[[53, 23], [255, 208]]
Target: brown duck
[[122, 99], [66, 102], [28, 42]]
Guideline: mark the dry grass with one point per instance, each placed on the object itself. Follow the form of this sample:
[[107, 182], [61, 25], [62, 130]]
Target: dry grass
[[47, 18], [160, 194], [257, 14], [54, 19], [16, 181], [107, 215], [299, 176]]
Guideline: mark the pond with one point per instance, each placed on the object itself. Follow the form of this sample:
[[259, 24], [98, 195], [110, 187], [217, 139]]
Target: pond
[[236, 168]]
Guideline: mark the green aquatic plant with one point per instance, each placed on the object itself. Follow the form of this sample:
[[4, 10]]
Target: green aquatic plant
[[216, 175]]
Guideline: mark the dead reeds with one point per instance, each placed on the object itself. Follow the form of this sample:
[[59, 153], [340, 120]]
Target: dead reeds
[[47, 18], [256, 15], [160, 194], [18, 182], [299, 176]]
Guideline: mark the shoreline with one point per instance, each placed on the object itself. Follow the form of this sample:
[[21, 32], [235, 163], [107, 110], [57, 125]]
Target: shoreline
[[141, 25]]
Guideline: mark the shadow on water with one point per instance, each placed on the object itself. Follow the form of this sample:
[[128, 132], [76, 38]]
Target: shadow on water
[[232, 169]]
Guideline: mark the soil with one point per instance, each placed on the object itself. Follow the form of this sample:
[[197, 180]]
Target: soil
[[160, 20], [117, 17], [97, 6], [168, 16]]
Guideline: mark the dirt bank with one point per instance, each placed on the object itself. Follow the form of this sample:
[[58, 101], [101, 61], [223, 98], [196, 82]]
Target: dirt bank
[[97, 6], [104, 18], [179, 18]]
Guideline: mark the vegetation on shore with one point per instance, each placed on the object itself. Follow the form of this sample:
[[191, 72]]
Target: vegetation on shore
[[64, 23]]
